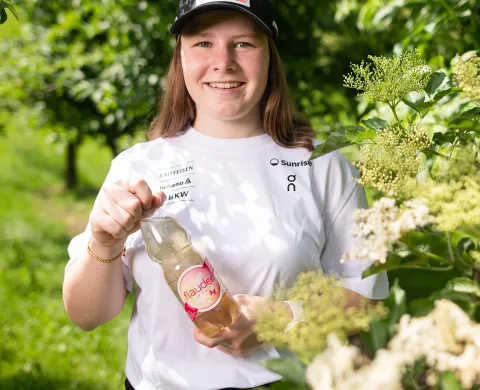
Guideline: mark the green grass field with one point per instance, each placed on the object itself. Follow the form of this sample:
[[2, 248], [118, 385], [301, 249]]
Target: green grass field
[[40, 348]]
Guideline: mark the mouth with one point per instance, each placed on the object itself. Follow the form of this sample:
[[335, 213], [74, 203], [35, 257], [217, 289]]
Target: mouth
[[227, 85]]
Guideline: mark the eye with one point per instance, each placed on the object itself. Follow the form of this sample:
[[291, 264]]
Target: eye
[[244, 44], [203, 44]]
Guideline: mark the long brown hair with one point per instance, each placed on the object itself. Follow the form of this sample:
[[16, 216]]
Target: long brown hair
[[176, 109]]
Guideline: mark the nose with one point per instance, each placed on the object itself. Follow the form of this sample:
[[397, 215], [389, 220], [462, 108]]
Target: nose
[[224, 59]]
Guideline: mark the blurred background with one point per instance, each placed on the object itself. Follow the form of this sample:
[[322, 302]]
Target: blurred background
[[79, 81]]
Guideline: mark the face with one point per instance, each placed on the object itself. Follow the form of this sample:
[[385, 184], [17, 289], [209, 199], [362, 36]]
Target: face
[[225, 61]]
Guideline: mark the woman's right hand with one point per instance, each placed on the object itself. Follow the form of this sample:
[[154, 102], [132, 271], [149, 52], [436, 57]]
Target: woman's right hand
[[118, 209]]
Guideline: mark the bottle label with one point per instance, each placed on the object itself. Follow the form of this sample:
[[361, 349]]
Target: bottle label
[[199, 289]]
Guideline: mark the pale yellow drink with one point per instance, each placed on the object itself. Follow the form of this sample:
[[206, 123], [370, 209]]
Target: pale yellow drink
[[189, 275]]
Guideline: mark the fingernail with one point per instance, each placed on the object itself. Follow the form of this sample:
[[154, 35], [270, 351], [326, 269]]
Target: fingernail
[[148, 206]]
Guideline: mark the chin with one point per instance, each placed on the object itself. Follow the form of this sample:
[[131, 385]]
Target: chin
[[228, 116]]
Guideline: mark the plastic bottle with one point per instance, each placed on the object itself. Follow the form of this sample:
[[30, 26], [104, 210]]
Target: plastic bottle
[[189, 274]]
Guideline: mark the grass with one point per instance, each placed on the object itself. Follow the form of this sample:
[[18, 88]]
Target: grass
[[40, 348]]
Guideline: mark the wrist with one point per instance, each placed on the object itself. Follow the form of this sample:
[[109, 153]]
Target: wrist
[[105, 251]]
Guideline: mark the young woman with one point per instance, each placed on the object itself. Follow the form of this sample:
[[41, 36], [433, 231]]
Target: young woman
[[229, 158]]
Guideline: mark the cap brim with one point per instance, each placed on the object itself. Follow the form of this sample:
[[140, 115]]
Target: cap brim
[[179, 23]]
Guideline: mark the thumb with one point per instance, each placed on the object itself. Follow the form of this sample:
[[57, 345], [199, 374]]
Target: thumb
[[158, 199]]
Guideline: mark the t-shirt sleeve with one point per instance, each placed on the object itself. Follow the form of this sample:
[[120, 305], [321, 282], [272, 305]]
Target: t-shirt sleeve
[[78, 244], [338, 227]]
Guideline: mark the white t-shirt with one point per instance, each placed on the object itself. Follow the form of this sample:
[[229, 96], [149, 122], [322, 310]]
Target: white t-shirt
[[261, 214]]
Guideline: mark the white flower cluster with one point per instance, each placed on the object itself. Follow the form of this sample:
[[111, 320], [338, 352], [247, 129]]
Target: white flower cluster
[[342, 367], [447, 339], [380, 226]]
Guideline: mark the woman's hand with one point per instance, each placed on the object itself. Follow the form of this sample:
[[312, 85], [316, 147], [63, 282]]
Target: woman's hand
[[118, 210], [239, 339]]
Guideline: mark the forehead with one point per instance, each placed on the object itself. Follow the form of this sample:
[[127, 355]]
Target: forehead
[[222, 20]]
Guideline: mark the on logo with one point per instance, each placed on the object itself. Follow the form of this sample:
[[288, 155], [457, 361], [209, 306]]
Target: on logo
[[274, 162], [291, 179]]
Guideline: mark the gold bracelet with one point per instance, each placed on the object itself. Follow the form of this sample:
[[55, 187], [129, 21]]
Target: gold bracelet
[[122, 253]]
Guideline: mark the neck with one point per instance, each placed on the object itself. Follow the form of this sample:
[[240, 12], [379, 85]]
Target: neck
[[246, 127]]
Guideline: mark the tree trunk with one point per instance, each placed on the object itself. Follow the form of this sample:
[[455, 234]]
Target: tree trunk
[[71, 165]]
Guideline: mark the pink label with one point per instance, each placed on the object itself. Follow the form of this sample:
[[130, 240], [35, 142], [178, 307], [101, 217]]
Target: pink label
[[199, 289]]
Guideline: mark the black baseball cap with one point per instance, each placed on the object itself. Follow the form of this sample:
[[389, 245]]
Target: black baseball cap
[[259, 10]]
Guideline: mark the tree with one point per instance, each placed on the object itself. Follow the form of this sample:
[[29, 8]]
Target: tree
[[93, 67]]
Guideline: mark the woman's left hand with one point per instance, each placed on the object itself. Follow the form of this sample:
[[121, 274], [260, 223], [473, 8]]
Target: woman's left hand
[[238, 339]]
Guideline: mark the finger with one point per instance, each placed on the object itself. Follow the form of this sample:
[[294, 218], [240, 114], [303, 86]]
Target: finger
[[102, 222], [141, 189], [120, 215], [158, 199], [226, 350], [209, 342], [237, 352], [125, 199]]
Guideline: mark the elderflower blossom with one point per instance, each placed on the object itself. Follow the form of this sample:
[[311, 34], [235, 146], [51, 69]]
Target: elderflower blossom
[[467, 74], [454, 203], [453, 196], [342, 366], [380, 226], [391, 79], [323, 300], [393, 160], [446, 338]]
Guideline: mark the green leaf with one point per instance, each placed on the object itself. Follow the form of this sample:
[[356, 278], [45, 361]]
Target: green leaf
[[3, 16], [12, 9], [285, 385], [335, 141], [375, 123], [466, 244], [468, 120], [420, 107], [410, 104], [424, 106], [290, 369], [352, 132], [464, 285], [442, 138], [448, 381], [420, 307], [465, 301], [397, 305], [435, 82], [441, 94], [394, 261], [376, 337]]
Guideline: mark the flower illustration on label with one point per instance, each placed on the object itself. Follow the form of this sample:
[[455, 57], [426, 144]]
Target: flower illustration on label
[[199, 289]]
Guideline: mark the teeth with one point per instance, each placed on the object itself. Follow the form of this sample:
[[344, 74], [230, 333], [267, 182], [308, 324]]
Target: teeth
[[225, 85]]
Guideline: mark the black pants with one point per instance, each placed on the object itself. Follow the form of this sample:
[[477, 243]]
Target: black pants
[[128, 386]]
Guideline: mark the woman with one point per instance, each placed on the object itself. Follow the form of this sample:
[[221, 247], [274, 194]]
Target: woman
[[229, 159]]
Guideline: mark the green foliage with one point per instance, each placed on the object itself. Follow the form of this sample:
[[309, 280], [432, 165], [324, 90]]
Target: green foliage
[[40, 348], [4, 5]]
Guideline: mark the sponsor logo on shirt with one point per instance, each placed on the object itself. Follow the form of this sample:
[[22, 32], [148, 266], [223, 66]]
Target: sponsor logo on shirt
[[178, 182], [274, 162], [291, 180]]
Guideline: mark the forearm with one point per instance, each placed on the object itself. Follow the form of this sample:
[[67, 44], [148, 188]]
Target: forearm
[[354, 299], [94, 292]]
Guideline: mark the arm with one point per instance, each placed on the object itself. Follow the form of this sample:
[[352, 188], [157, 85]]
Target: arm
[[94, 292]]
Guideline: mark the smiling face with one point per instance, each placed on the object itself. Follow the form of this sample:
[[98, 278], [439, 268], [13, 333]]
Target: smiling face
[[225, 61]]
